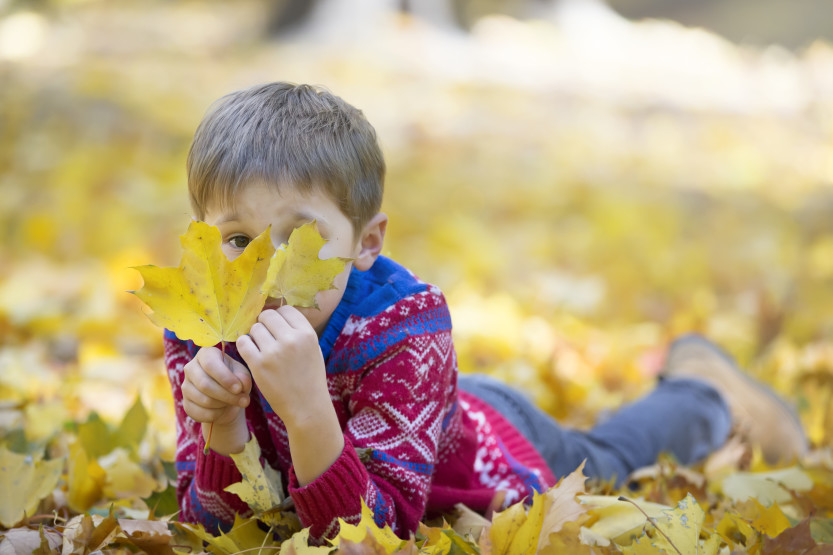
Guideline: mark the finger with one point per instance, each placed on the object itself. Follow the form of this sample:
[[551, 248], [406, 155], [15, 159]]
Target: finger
[[261, 335], [216, 365], [243, 375], [293, 317], [200, 414], [194, 396], [207, 385], [274, 322], [247, 348]]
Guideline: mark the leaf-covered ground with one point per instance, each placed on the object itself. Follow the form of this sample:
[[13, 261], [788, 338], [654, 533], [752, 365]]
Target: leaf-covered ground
[[580, 200]]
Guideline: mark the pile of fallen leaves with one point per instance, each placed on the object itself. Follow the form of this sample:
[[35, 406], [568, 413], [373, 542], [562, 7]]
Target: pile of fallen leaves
[[53, 506]]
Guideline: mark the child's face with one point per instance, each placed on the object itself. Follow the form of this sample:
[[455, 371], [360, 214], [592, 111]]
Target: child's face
[[258, 206]]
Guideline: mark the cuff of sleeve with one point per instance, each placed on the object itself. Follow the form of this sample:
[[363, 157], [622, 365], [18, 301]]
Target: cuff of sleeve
[[214, 471], [335, 493]]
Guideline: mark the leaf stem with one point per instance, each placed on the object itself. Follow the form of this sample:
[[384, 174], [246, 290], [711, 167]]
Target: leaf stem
[[652, 521], [266, 537]]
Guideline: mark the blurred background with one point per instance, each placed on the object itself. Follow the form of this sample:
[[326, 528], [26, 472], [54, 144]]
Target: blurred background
[[583, 179]]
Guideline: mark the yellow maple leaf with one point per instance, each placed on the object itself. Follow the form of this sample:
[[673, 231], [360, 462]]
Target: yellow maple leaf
[[208, 298], [245, 535], [567, 540], [677, 531], [296, 273], [525, 539], [125, 477], [24, 481], [767, 487], [298, 544], [766, 520], [514, 531], [259, 487], [85, 479], [385, 537], [736, 531], [681, 527], [505, 525], [562, 506], [615, 519]]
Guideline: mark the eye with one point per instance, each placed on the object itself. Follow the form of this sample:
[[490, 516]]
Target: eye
[[239, 241]]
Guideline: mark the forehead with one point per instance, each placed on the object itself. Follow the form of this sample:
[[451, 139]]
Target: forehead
[[258, 199]]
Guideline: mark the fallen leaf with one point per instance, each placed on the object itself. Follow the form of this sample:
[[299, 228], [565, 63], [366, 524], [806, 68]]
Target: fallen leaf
[[792, 541], [681, 528], [22, 541], [436, 543], [525, 539], [505, 525], [208, 298], [260, 488], [298, 544], [85, 479], [562, 506], [125, 477], [95, 436], [296, 273], [245, 535], [767, 487], [770, 521], [133, 426], [385, 537], [150, 536], [469, 522], [736, 531], [822, 530], [566, 540], [617, 518], [88, 533], [25, 480], [163, 502]]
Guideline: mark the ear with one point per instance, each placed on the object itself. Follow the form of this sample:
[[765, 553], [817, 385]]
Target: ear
[[370, 242]]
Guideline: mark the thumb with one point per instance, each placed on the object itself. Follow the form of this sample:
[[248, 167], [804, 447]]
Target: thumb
[[241, 373]]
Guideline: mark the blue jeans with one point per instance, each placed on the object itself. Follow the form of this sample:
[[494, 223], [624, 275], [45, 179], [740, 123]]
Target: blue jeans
[[685, 417]]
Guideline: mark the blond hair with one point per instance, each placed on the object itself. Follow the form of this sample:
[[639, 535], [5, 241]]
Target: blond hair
[[286, 134]]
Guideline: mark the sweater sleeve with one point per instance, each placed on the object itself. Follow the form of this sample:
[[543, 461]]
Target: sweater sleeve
[[396, 415], [201, 478]]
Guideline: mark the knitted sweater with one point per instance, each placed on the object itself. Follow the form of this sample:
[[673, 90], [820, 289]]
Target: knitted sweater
[[392, 376]]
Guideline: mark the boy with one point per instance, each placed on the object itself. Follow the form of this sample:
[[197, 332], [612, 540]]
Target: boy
[[373, 366]]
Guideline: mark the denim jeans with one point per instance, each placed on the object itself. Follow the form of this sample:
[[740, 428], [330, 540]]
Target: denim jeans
[[685, 417]]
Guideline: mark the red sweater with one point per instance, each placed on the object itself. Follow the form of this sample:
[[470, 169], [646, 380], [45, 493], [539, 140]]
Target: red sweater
[[392, 376]]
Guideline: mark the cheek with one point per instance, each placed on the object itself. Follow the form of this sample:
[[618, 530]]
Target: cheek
[[341, 245], [230, 252]]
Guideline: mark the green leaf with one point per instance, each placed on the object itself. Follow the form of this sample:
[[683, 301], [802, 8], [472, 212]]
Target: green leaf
[[95, 436], [133, 426], [163, 503]]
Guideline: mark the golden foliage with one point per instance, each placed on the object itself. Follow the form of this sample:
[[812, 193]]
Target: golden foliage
[[208, 298], [297, 273], [576, 221]]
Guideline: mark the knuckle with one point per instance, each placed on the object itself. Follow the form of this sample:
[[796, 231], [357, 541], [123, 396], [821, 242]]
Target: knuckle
[[203, 382]]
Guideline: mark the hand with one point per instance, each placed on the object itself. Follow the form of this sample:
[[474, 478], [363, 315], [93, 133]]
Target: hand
[[286, 363], [215, 390]]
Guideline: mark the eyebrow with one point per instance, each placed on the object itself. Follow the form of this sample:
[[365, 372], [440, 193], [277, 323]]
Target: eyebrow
[[307, 217], [298, 215], [233, 217]]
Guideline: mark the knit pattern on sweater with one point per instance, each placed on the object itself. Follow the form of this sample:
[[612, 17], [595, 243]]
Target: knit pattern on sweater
[[392, 377]]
